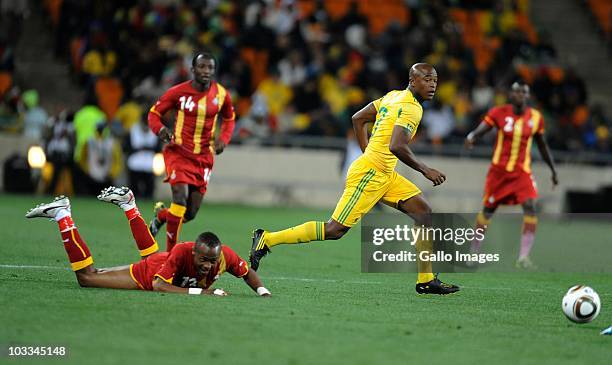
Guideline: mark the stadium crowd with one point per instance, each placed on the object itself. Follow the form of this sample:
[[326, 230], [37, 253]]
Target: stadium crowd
[[302, 67]]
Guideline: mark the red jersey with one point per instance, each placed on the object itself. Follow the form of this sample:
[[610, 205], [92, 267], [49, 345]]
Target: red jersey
[[514, 136], [176, 267], [196, 115]]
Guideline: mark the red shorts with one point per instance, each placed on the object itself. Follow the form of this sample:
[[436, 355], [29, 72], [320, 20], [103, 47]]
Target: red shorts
[[144, 270], [182, 169], [508, 188]]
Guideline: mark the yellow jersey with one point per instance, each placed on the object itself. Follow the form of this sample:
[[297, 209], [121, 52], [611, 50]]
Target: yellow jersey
[[397, 107]]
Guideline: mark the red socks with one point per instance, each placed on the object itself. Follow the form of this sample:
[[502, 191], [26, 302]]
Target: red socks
[[162, 215], [144, 240], [77, 250]]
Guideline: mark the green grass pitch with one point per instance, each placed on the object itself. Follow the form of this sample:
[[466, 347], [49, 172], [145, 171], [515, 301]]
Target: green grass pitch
[[323, 310]]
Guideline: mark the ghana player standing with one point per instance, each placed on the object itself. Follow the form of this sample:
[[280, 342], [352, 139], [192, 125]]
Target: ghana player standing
[[509, 179], [372, 177], [189, 154], [190, 268]]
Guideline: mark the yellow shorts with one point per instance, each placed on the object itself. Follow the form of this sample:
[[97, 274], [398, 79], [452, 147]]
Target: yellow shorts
[[365, 186]]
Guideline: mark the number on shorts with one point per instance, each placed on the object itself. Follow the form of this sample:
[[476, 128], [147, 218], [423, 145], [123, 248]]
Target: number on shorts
[[207, 173]]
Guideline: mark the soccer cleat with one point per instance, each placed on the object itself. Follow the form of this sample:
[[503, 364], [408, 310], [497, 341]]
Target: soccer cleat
[[436, 287], [156, 224], [49, 210], [525, 263], [122, 197], [258, 249]]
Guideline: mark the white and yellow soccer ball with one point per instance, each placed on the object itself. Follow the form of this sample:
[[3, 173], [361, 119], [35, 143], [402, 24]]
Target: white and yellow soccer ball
[[581, 304]]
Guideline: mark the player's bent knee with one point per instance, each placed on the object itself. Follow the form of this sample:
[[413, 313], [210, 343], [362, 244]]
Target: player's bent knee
[[84, 279], [335, 231]]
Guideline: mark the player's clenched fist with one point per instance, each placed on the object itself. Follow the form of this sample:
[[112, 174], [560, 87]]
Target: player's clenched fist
[[434, 176]]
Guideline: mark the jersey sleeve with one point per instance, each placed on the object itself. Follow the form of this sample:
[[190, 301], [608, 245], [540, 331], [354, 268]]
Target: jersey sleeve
[[409, 116], [171, 266], [161, 107], [228, 117], [376, 104], [491, 117], [234, 264], [540, 129]]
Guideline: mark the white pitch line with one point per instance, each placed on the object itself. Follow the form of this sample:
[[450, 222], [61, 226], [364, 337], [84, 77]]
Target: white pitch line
[[291, 278], [7, 266], [322, 280]]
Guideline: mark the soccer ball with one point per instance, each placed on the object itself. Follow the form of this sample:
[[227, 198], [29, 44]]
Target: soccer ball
[[581, 304]]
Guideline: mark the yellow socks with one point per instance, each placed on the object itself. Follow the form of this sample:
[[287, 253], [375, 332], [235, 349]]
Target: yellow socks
[[173, 224], [424, 267], [309, 231]]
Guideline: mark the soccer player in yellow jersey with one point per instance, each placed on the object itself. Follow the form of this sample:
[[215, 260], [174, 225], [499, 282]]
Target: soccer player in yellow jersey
[[372, 177]]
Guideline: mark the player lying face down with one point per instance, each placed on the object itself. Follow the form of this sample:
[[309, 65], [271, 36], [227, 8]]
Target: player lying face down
[[190, 268]]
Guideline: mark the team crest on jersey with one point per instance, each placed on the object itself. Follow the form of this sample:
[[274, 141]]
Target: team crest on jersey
[[530, 123], [215, 101]]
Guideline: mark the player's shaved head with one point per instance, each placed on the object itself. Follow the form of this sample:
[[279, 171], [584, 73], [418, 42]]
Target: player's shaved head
[[423, 81], [519, 84], [420, 70], [208, 239], [202, 55]]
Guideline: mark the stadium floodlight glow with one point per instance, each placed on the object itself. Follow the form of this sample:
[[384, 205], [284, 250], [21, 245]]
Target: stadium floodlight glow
[[158, 164], [36, 157]]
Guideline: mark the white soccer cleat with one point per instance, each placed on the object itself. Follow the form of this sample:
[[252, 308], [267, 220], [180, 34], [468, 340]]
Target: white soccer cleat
[[122, 197], [50, 210]]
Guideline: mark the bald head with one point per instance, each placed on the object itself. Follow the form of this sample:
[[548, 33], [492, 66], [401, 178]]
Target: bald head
[[423, 80], [420, 69]]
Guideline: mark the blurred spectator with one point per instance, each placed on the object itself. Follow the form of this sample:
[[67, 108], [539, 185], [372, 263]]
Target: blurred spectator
[[254, 126], [85, 121], [439, 121], [59, 146], [10, 106], [99, 61], [129, 114], [352, 47], [142, 146], [277, 95], [35, 117], [482, 95], [100, 159]]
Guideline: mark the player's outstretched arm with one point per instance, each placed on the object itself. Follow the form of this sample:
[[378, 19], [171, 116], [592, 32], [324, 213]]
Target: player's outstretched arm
[[253, 280], [546, 155], [476, 133], [399, 147], [360, 119]]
